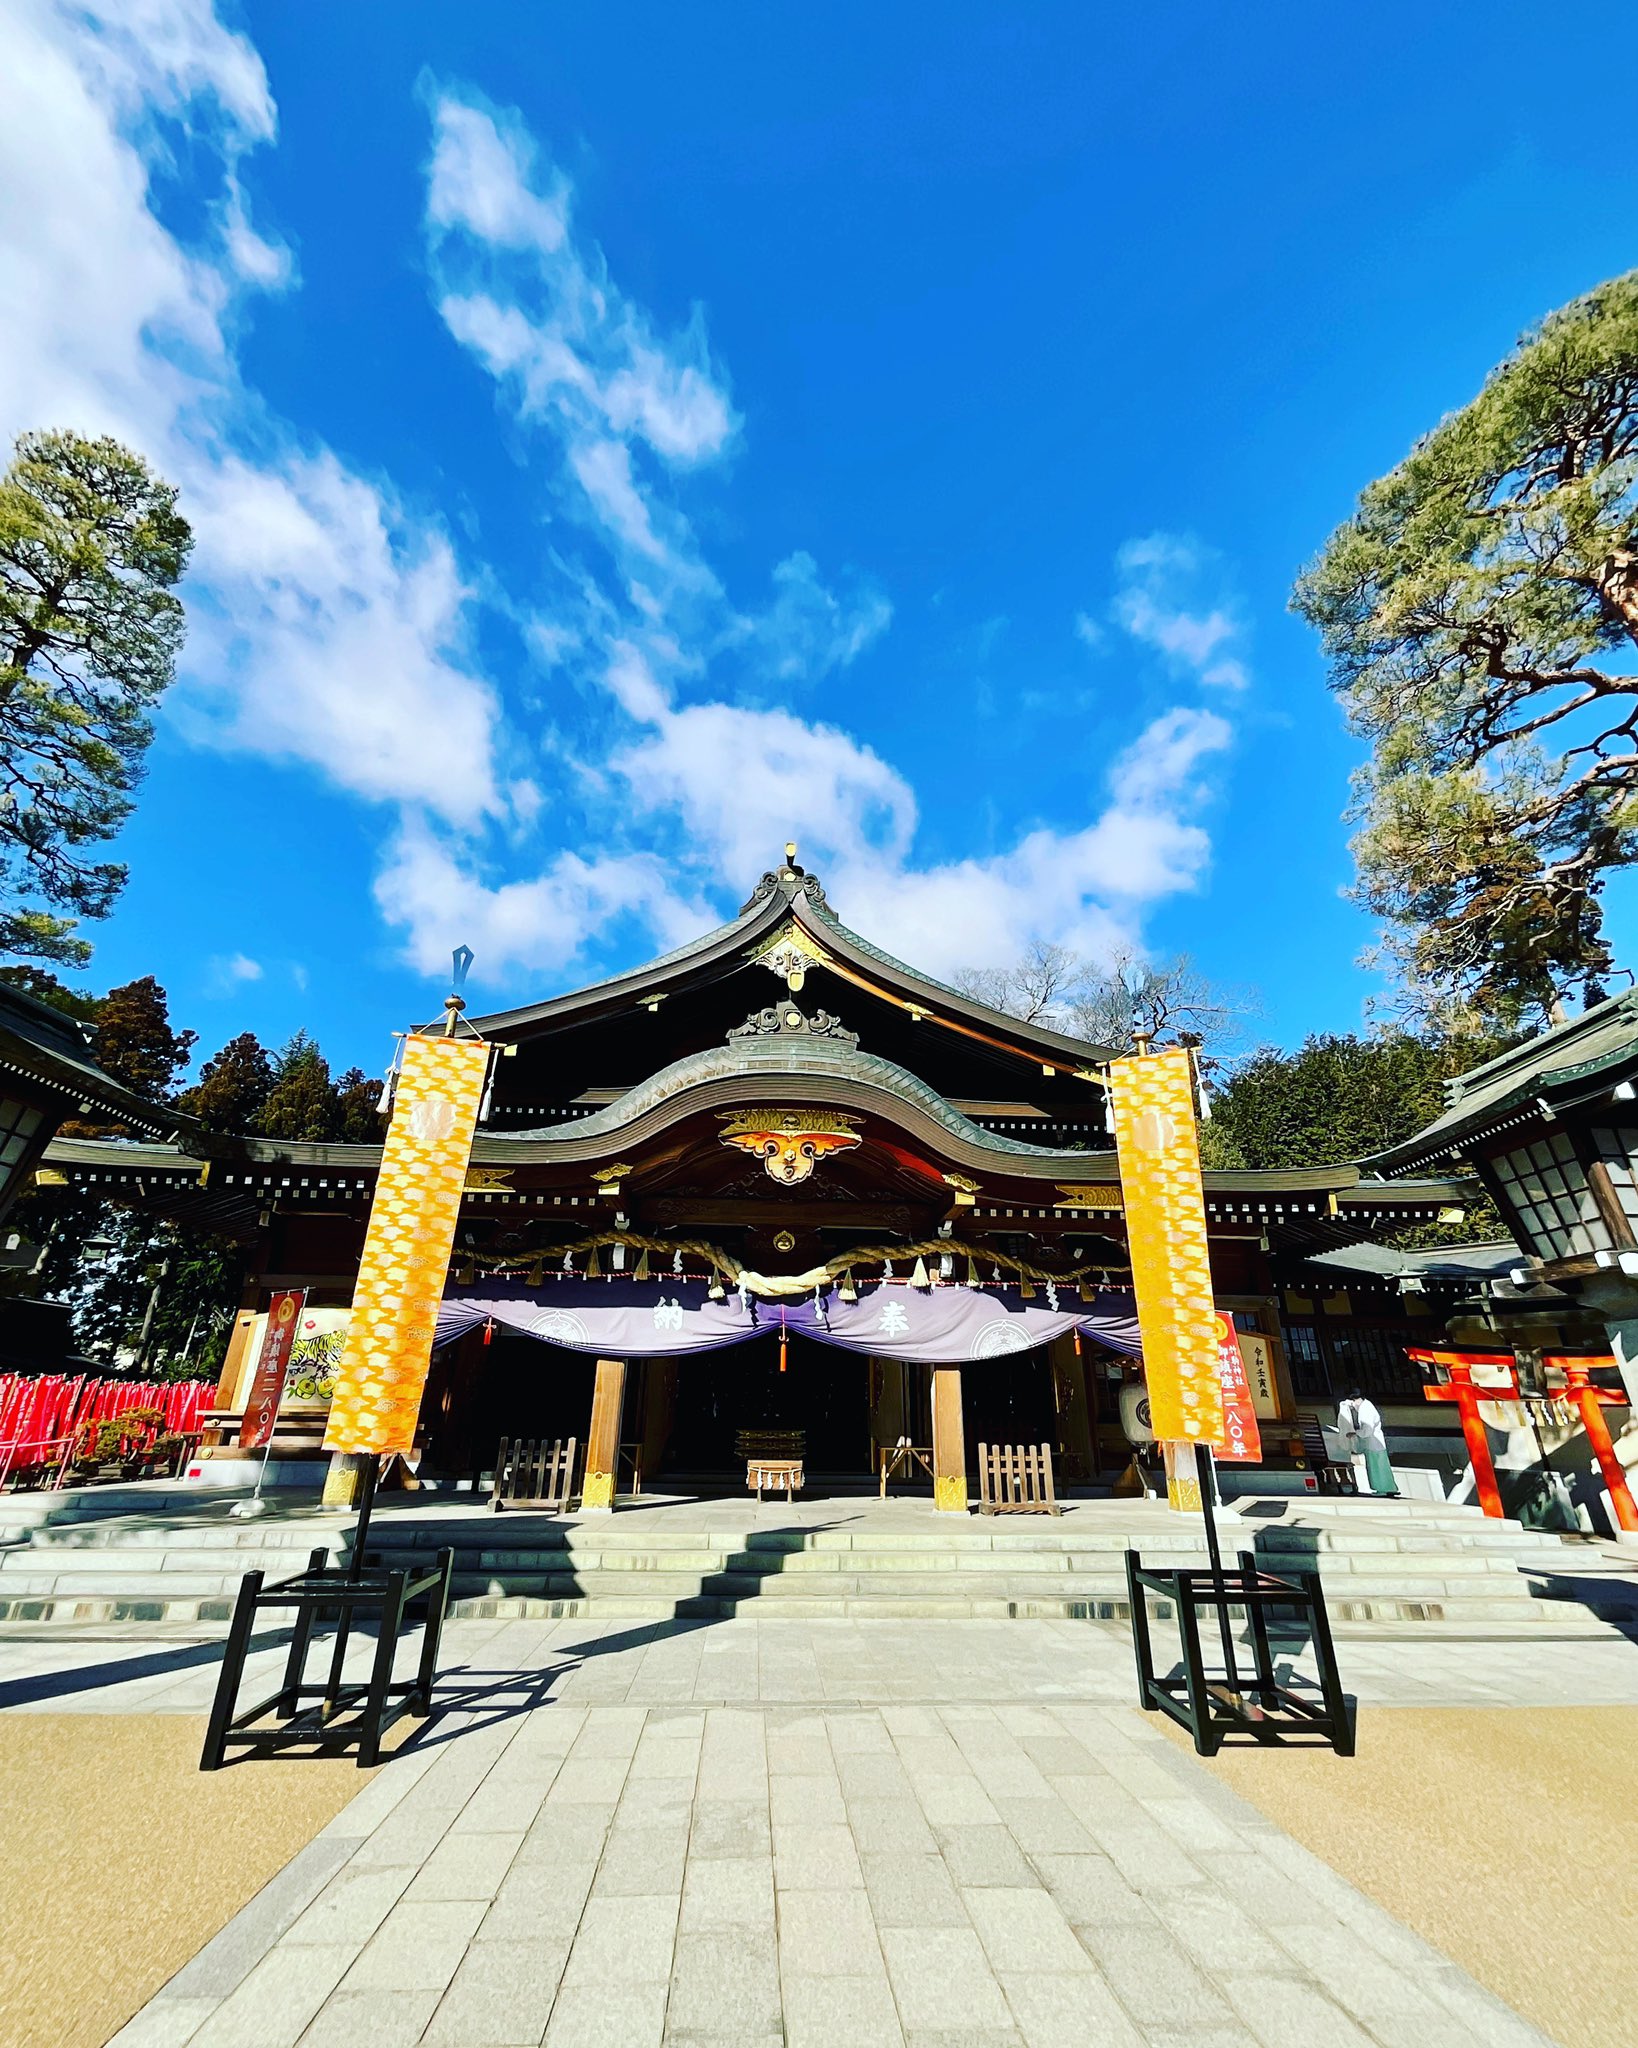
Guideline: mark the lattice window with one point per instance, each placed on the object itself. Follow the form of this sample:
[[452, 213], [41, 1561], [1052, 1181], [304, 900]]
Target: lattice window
[[19, 1126], [1545, 1185]]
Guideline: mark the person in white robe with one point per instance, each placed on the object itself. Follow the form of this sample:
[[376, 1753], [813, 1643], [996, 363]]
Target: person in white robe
[[1361, 1423]]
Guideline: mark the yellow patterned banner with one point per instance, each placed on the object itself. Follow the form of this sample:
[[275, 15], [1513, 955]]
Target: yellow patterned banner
[[406, 1249], [1152, 1100]]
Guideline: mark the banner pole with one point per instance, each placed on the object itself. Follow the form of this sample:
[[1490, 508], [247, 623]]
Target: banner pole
[[1206, 1471]]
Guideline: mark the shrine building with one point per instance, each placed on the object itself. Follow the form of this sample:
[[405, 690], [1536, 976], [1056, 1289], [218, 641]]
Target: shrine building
[[774, 1184]]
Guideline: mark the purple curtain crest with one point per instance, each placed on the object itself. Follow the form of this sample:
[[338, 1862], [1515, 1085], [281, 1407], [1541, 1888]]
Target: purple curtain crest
[[671, 1317]]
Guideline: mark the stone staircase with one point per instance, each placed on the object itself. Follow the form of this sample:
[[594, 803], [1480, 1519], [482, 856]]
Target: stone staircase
[[144, 1554]]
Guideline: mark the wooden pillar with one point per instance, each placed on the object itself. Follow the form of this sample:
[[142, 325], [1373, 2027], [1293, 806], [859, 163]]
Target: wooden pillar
[[227, 1384], [1070, 1401], [659, 1409], [603, 1437], [949, 1442]]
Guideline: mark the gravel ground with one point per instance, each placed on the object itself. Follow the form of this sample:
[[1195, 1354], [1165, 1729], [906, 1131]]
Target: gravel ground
[[122, 1859], [1503, 1835]]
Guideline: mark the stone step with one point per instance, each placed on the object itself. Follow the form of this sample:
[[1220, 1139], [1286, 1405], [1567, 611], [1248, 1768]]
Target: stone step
[[934, 1587], [1528, 1620]]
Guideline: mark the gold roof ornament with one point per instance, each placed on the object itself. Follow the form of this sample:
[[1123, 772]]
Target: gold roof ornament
[[789, 952], [789, 1142]]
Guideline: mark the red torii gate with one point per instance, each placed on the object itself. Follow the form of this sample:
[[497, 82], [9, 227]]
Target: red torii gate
[[1461, 1390], [1590, 1400]]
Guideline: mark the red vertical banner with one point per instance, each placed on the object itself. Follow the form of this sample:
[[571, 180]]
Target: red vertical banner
[[272, 1363], [1241, 1438]]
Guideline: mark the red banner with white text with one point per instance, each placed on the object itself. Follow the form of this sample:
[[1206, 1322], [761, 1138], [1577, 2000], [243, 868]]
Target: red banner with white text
[[1241, 1439], [267, 1388]]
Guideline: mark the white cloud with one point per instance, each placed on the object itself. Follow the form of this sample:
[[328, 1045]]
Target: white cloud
[[436, 892], [1088, 631], [227, 972], [724, 784], [480, 180], [808, 630], [326, 622], [566, 337], [1162, 602], [330, 621]]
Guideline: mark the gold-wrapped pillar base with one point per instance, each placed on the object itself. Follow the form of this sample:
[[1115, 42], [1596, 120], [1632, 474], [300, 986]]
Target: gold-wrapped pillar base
[[345, 1479], [1182, 1478], [603, 1437], [949, 1442]]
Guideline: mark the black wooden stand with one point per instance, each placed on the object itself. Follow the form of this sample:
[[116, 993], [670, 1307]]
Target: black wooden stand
[[1260, 1708], [344, 1715]]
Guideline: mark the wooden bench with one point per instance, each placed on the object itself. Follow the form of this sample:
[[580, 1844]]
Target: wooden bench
[[1016, 1479], [1334, 1475], [533, 1475]]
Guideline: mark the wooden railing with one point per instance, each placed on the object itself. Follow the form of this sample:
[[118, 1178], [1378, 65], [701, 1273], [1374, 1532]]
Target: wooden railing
[[534, 1475]]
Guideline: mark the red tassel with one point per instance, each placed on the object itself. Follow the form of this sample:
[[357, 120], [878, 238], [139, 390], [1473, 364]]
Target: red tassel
[[1077, 1336], [489, 1329], [782, 1351]]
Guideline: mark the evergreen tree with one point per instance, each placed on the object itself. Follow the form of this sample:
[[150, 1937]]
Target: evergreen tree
[[357, 1120], [1336, 1098], [233, 1088], [1480, 613], [44, 986], [134, 1040], [91, 547], [301, 1103]]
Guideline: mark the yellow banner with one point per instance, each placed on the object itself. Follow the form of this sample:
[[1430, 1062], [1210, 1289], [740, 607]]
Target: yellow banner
[[1152, 1100], [407, 1246]]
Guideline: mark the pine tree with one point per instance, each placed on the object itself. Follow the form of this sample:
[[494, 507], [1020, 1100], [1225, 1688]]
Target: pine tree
[[91, 545]]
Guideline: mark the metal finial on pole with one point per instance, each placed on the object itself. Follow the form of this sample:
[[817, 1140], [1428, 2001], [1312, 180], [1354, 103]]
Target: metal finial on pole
[[454, 1003]]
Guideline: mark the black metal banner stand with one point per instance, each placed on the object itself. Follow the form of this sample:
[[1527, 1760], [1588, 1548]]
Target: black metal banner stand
[[1260, 1709], [1205, 1466], [344, 1716]]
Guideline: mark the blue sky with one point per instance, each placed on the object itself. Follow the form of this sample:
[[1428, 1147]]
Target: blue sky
[[622, 437]]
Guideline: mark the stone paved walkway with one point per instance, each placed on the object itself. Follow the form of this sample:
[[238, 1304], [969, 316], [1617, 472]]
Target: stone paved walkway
[[834, 1833]]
